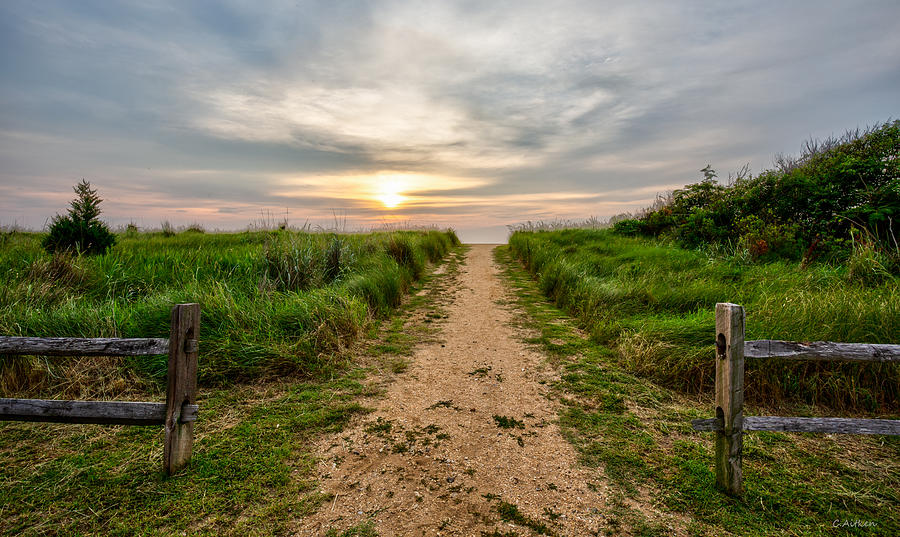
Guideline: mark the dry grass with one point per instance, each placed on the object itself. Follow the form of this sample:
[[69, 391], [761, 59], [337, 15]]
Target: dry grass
[[75, 377]]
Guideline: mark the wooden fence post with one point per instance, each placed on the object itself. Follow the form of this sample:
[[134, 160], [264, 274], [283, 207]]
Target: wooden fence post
[[182, 385], [729, 395]]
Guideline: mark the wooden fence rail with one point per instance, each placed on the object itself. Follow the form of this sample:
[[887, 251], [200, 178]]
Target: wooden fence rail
[[177, 414], [730, 422]]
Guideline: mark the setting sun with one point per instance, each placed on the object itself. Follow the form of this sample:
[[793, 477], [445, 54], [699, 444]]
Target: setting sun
[[389, 191], [390, 198]]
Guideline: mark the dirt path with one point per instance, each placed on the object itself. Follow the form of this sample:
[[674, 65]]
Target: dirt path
[[465, 440]]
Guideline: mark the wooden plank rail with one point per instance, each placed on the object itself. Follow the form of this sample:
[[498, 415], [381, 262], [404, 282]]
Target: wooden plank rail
[[102, 412], [807, 425], [730, 422], [821, 350], [70, 346], [177, 414]]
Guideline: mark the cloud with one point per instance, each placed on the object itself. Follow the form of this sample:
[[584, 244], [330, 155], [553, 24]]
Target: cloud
[[502, 110]]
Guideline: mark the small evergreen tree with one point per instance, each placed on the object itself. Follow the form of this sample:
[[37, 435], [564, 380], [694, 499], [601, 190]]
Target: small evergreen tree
[[80, 230]]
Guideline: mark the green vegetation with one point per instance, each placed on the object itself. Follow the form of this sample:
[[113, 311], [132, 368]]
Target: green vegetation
[[508, 422], [252, 470], [653, 303], [272, 302], [840, 200], [639, 434], [81, 230], [810, 250], [509, 512], [250, 474]]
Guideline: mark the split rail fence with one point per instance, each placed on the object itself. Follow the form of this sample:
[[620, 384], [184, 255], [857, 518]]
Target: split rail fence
[[730, 422], [177, 414]]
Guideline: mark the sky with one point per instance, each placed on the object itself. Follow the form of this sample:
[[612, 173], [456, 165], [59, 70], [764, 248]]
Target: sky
[[471, 114]]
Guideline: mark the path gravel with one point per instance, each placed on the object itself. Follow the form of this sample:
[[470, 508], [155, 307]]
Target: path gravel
[[434, 458]]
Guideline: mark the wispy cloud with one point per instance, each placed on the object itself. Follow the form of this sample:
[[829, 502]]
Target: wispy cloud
[[480, 113]]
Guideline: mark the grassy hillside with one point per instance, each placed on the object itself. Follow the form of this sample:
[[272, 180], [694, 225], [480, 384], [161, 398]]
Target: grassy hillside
[[838, 201], [272, 302], [653, 302]]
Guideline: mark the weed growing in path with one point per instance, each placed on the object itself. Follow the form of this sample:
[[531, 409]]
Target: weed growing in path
[[507, 422]]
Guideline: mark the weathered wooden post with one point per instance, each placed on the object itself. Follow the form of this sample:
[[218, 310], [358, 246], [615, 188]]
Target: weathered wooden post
[[729, 395], [182, 385], [730, 422]]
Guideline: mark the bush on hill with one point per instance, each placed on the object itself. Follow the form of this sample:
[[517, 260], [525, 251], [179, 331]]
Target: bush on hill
[[80, 230], [840, 199]]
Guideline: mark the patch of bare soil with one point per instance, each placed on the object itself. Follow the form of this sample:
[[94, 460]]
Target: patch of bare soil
[[465, 440]]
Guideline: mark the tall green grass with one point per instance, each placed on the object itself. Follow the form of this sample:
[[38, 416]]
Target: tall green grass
[[654, 303], [272, 302]]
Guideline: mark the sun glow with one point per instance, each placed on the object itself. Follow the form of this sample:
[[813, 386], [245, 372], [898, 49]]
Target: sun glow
[[389, 191], [384, 190]]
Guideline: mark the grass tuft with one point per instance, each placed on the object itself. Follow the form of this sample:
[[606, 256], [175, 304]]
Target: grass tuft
[[510, 512], [507, 422]]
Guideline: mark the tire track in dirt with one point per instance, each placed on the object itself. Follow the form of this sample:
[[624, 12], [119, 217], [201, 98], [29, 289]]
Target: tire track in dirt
[[465, 440]]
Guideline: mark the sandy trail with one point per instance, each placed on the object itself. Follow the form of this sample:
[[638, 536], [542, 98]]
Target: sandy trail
[[434, 459]]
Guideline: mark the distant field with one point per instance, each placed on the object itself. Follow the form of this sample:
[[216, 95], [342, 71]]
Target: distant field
[[653, 303], [272, 302]]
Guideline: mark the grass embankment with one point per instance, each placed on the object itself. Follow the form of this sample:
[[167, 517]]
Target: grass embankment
[[653, 303], [276, 316], [839, 200], [272, 302], [660, 470]]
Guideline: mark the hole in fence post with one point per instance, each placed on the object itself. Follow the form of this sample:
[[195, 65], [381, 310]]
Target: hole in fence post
[[720, 346]]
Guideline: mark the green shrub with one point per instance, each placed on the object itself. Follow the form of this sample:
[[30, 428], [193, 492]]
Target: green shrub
[[767, 240], [80, 230], [805, 208], [629, 227]]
